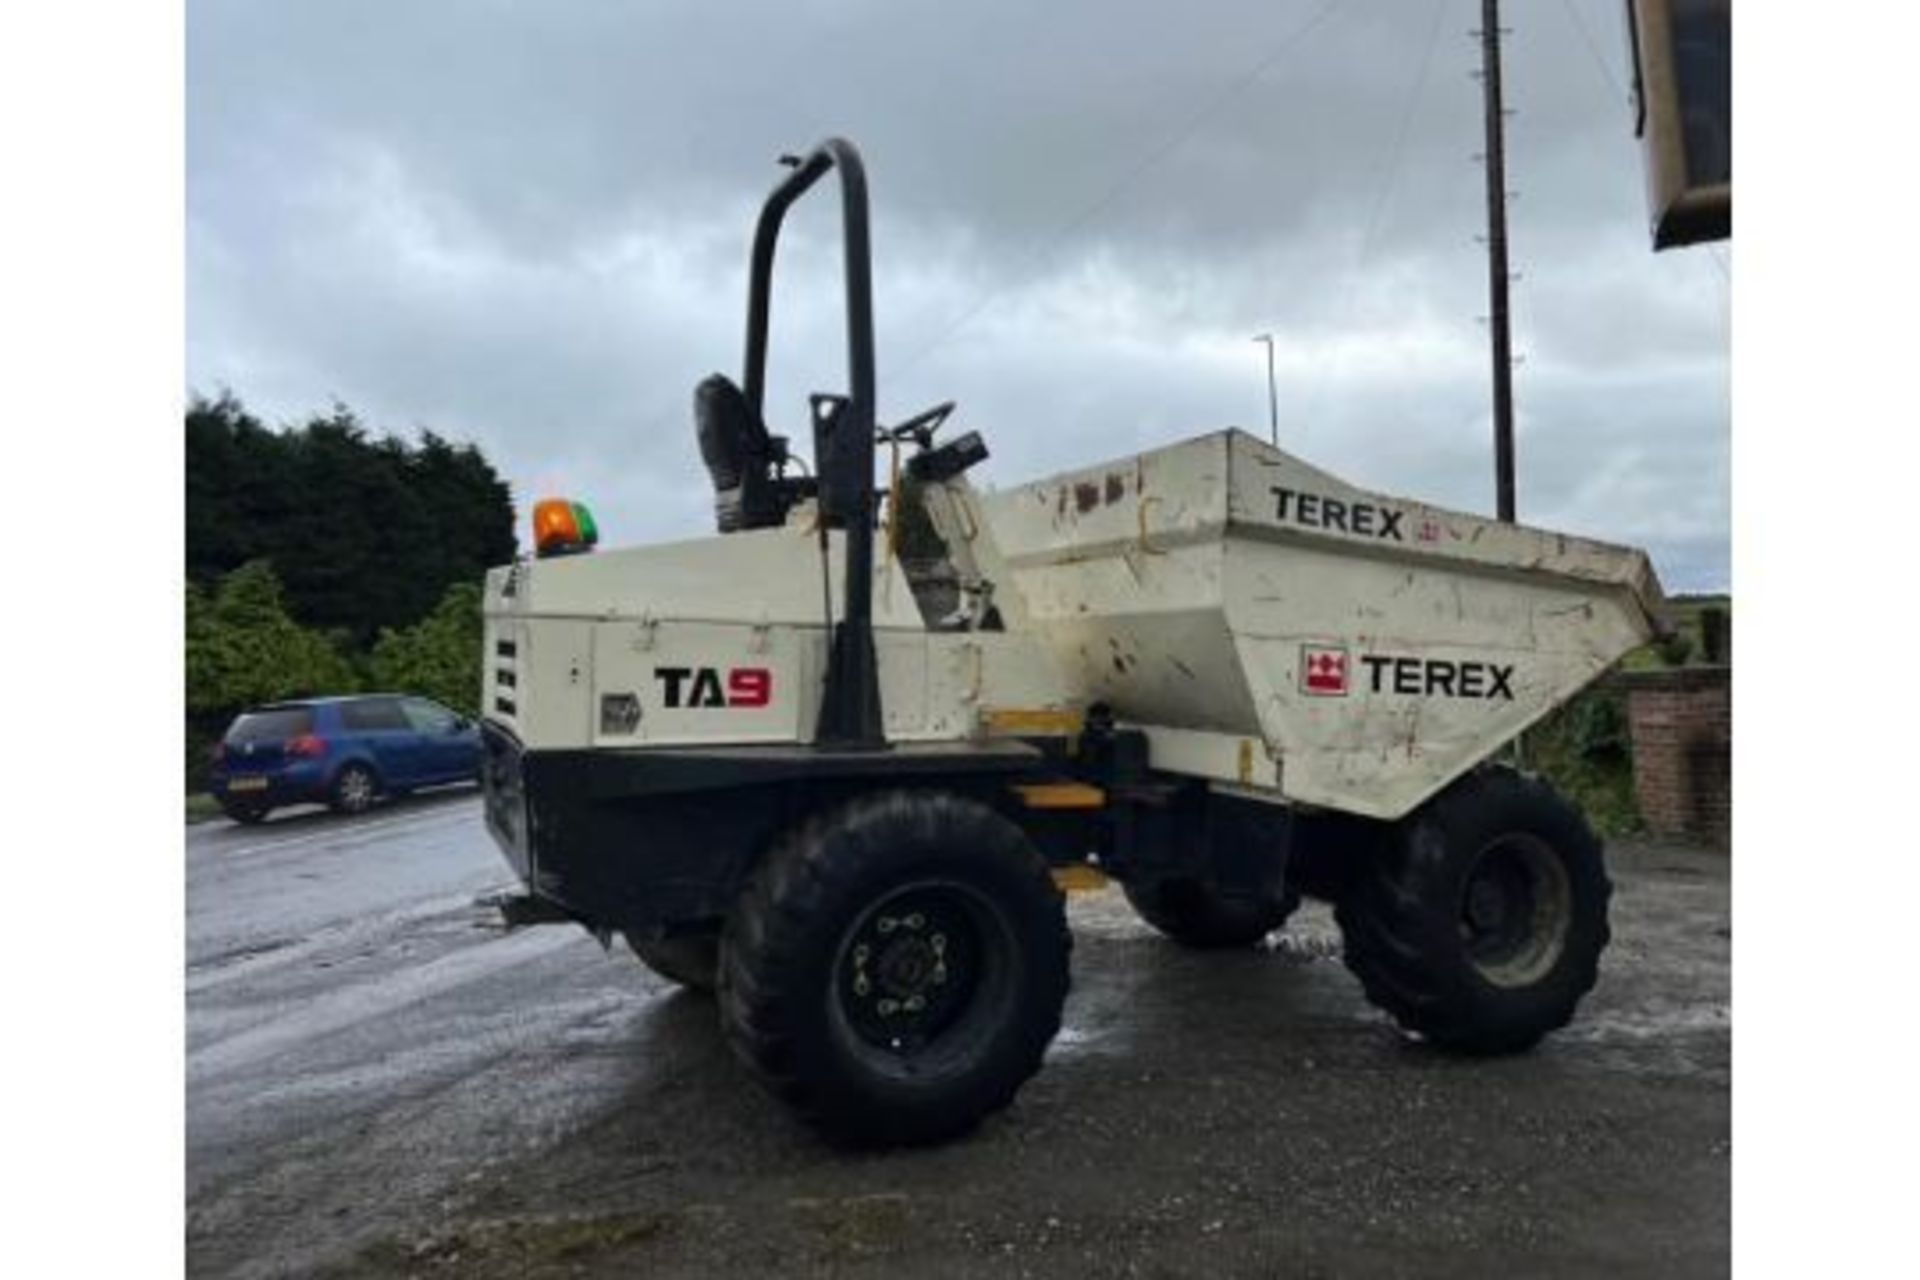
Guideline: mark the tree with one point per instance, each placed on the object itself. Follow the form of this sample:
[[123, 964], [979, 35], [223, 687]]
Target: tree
[[440, 655], [365, 533], [244, 649]]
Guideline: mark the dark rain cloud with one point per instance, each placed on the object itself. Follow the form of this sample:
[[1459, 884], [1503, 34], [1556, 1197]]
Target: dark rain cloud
[[527, 224]]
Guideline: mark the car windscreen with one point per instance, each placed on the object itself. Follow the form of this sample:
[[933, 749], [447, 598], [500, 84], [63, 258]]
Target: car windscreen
[[274, 724]]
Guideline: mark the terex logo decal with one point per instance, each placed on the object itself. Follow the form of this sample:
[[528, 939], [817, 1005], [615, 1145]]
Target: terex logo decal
[[702, 687], [1317, 512], [1323, 670], [1426, 677]]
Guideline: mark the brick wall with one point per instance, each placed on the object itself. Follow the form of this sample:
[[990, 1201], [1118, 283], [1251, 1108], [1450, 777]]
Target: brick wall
[[1682, 727]]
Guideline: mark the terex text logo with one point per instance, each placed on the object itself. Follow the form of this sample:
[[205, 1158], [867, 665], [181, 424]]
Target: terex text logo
[[702, 687], [1316, 511], [1431, 677]]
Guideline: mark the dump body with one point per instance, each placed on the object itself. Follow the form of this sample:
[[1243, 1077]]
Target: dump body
[[1365, 649]]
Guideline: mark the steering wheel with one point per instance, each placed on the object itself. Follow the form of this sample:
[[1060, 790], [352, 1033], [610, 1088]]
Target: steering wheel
[[920, 427]]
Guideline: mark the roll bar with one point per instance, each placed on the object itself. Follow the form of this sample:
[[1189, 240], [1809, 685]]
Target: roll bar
[[843, 434]]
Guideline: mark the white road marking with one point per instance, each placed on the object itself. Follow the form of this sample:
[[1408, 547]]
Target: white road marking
[[346, 834], [346, 1006]]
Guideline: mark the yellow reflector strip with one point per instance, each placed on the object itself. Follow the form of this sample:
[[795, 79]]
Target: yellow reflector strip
[[1078, 878], [1061, 795], [1032, 722]]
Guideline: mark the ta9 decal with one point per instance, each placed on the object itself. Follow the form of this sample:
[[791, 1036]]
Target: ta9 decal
[[704, 687]]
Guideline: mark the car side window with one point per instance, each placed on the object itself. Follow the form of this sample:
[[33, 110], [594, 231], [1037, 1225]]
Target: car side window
[[428, 717], [372, 714]]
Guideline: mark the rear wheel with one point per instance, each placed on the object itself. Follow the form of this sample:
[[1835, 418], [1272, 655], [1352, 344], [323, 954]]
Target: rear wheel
[[354, 789], [1196, 914], [897, 967], [1481, 924], [692, 960]]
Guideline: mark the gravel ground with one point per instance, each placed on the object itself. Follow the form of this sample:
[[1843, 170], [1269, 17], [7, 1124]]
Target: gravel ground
[[380, 1082]]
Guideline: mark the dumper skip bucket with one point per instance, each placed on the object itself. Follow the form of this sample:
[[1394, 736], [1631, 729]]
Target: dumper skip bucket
[[1370, 649]]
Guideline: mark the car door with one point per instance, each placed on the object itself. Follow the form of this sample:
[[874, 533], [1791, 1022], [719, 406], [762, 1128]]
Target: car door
[[381, 727], [449, 749]]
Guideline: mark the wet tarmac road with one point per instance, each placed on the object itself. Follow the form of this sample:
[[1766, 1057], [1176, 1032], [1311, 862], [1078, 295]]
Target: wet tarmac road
[[379, 1081]]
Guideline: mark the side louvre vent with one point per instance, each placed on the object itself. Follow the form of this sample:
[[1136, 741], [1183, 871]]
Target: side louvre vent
[[506, 678]]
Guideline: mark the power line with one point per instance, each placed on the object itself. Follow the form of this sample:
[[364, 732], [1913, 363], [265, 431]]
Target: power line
[[1389, 179], [1046, 247], [1392, 175], [1593, 47]]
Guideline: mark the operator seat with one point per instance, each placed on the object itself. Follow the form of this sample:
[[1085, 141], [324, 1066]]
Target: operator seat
[[743, 459]]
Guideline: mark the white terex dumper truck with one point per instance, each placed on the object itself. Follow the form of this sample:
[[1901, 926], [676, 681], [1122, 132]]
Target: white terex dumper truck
[[1215, 673]]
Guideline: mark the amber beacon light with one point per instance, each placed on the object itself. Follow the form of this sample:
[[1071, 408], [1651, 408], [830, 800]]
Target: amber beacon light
[[562, 528]]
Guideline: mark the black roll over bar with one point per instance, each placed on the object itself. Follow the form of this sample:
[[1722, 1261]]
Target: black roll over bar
[[843, 428]]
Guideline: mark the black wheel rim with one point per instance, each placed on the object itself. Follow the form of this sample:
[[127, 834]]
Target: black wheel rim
[[923, 977], [1515, 910]]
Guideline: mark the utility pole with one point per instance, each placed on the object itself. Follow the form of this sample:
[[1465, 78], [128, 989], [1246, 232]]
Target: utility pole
[[1273, 397], [1497, 276]]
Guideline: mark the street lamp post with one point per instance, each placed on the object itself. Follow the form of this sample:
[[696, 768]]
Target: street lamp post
[[1273, 397]]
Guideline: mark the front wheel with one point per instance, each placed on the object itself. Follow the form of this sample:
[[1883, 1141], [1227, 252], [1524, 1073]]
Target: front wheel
[[1481, 924], [897, 967]]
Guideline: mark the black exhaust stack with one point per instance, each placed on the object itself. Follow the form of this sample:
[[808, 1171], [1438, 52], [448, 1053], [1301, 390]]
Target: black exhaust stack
[[843, 433]]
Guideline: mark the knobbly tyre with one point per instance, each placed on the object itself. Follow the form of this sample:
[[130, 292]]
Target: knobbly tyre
[[1210, 671]]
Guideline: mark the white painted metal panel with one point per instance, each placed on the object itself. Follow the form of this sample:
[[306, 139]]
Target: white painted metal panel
[[1192, 586]]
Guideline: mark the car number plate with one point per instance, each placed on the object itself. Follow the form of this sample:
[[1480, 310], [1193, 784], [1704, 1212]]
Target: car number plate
[[247, 784]]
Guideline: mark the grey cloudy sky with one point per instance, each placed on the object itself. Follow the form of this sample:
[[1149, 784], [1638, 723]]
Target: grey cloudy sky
[[526, 224]]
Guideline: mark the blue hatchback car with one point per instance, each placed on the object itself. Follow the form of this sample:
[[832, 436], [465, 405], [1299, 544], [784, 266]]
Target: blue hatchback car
[[343, 752]]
